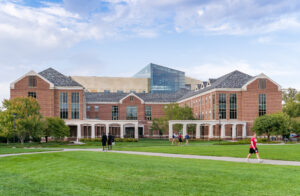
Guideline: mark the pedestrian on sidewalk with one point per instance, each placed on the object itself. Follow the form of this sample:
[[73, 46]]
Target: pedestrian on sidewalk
[[253, 148], [180, 138], [187, 137], [104, 141], [174, 137], [110, 141]]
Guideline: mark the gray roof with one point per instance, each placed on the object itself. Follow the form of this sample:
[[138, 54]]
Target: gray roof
[[147, 97], [58, 79], [235, 79]]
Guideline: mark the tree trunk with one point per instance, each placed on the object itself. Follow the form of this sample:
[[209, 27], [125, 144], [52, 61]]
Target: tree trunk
[[46, 137], [7, 140]]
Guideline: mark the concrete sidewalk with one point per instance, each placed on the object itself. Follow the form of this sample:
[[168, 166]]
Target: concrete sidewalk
[[215, 158]]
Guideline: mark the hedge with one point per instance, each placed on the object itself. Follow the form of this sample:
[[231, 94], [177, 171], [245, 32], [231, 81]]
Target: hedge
[[116, 140]]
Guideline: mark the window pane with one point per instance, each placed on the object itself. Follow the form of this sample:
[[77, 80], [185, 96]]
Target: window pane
[[131, 113], [75, 106], [222, 106], [64, 105]]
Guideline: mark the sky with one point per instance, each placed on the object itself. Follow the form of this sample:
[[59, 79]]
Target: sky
[[204, 38]]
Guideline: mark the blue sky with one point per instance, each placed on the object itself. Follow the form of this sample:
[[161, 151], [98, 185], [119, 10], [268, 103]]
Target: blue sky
[[119, 37]]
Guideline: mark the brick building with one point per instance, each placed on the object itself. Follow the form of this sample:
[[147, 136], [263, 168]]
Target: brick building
[[225, 107]]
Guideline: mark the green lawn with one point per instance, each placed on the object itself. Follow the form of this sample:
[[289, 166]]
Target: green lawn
[[6, 150], [96, 173], [277, 152]]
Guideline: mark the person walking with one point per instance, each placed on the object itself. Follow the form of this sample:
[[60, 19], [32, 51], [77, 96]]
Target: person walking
[[174, 137], [253, 148], [110, 141], [180, 139], [104, 140], [187, 137]]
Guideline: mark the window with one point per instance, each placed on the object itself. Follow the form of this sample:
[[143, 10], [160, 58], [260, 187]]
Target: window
[[106, 91], [31, 81], [133, 91], [75, 105], [262, 104], [96, 108], [131, 113], [64, 105], [222, 105], [148, 113], [32, 94], [214, 106], [115, 113], [131, 98], [232, 107], [119, 91], [262, 83], [88, 108]]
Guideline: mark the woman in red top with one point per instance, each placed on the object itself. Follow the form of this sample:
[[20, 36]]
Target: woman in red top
[[253, 148]]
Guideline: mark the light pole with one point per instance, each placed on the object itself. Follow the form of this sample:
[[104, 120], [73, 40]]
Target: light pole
[[219, 127], [14, 116]]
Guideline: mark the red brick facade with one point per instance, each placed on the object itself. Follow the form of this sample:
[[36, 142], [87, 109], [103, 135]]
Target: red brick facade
[[48, 98], [202, 104]]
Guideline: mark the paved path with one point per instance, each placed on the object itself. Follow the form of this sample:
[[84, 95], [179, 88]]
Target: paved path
[[230, 159]]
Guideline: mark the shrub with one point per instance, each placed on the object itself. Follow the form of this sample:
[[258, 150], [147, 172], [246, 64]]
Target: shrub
[[100, 139]]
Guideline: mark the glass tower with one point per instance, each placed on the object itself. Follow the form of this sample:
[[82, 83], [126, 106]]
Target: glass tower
[[162, 79]]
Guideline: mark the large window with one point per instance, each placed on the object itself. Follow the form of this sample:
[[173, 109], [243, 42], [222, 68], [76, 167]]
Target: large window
[[262, 104], [214, 106], [31, 81], [96, 108], [148, 113], [64, 105], [131, 113], [232, 107], [75, 106], [222, 106], [115, 113], [32, 94]]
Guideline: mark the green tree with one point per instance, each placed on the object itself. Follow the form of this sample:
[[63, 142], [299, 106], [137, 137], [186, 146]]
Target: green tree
[[277, 124], [28, 117], [172, 112], [55, 127], [289, 95]]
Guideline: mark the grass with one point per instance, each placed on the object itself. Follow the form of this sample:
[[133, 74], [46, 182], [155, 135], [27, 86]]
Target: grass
[[94, 173], [276, 152], [10, 150]]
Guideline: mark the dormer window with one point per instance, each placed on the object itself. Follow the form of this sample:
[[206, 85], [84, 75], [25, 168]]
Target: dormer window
[[31, 81], [131, 98]]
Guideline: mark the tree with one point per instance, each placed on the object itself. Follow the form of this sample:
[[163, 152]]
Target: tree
[[277, 124], [28, 117], [289, 95], [172, 112], [291, 105], [55, 127]]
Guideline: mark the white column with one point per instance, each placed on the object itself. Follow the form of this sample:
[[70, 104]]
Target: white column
[[170, 130], [233, 131], [244, 130], [136, 131], [210, 131], [78, 132], [121, 131], [93, 130], [106, 129], [222, 130], [198, 133], [184, 130]]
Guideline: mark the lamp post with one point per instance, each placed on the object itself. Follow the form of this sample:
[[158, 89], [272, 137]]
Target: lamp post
[[14, 116], [219, 127]]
